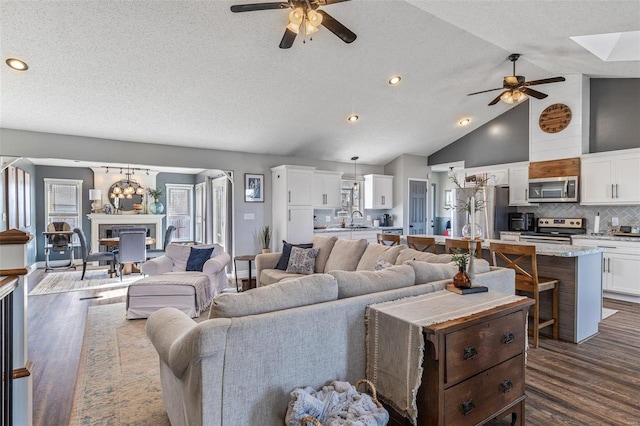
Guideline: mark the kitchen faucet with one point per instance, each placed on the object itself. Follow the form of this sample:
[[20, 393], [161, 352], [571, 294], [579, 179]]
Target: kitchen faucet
[[352, 213]]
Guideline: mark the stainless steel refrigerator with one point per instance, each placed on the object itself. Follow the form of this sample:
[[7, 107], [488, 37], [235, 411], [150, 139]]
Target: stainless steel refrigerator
[[493, 218]]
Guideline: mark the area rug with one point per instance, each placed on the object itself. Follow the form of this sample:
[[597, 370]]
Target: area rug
[[62, 282], [119, 375], [606, 312]]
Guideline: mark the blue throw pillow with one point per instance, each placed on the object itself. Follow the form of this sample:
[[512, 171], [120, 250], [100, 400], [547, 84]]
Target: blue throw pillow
[[198, 257], [286, 254]]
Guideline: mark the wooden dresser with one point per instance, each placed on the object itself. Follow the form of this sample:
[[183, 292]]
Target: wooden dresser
[[474, 369]]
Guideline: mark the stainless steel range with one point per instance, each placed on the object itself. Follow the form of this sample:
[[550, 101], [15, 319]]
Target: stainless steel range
[[555, 230]]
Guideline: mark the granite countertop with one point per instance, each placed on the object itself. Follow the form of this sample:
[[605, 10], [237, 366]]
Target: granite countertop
[[561, 250], [609, 237], [357, 228]]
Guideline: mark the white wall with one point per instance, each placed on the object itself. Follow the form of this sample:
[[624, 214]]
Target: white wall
[[403, 168]]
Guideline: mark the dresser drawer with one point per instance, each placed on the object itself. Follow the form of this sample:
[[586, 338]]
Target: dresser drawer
[[487, 393], [476, 348]]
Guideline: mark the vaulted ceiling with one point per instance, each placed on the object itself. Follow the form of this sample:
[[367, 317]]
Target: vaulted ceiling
[[192, 73]]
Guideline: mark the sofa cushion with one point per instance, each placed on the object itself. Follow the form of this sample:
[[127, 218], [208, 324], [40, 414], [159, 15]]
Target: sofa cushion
[[345, 255], [286, 253], [324, 246], [271, 276], [357, 283], [179, 254], [411, 254], [378, 252], [289, 294], [426, 272], [197, 257], [302, 261]]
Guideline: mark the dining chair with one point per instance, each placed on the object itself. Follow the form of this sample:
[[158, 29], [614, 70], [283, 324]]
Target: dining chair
[[388, 239], [422, 243], [451, 245], [168, 236], [87, 256], [132, 248], [522, 258]]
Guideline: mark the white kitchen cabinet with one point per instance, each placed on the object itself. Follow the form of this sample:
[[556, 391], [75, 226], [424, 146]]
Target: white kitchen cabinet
[[620, 264], [291, 205], [325, 189], [611, 178], [519, 186], [378, 192]]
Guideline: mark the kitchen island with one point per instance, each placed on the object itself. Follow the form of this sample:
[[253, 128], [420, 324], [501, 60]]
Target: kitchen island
[[578, 269]]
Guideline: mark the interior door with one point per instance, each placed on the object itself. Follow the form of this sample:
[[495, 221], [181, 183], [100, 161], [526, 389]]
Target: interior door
[[219, 188], [417, 207]]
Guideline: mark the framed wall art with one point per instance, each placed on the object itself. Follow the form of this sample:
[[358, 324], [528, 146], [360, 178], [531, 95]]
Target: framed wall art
[[253, 188]]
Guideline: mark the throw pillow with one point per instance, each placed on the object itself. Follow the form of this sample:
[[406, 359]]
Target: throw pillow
[[286, 253], [381, 264], [197, 258], [345, 255], [302, 261]]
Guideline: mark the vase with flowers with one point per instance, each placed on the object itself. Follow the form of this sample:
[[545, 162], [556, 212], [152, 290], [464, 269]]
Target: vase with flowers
[[461, 279], [156, 207]]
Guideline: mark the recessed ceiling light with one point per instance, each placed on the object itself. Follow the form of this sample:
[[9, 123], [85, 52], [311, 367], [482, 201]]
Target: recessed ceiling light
[[464, 121], [353, 118], [395, 80], [17, 64]]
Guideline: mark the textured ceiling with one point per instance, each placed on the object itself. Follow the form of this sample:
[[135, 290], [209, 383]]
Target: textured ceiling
[[192, 73]]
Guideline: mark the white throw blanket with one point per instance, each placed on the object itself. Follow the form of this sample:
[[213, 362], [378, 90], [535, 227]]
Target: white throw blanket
[[333, 405]]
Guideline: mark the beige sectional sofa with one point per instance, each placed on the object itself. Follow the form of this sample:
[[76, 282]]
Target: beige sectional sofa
[[240, 366]]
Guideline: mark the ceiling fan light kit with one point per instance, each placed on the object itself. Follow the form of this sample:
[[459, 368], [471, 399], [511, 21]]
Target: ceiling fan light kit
[[304, 14], [516, 88]]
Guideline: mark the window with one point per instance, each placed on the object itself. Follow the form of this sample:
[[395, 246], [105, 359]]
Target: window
[[180, 210], [63, 201]]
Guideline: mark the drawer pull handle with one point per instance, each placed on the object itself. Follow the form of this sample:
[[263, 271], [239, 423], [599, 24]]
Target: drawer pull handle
[[470, 353], [508, 337], [506, 386], [468, 407]]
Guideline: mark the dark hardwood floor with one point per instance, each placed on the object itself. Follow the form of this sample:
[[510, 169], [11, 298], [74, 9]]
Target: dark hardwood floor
[[594, 383]]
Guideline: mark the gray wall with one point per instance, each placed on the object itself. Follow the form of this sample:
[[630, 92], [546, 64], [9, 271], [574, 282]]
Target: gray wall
[[484, 146], [615, 114]]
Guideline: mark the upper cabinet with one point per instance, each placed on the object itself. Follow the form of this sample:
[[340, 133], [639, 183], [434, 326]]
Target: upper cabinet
[[611, 178], [378, 192], [325, 189], [519, 186]]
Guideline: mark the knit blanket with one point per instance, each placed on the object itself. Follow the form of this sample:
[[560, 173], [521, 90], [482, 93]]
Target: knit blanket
[[338, 404], [199, 281]]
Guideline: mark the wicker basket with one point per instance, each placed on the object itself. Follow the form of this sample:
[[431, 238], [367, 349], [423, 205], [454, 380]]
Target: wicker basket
[[374, 396]]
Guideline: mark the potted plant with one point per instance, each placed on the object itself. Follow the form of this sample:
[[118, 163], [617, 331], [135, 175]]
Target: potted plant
[[265, 239], [461, 279], [156, 207]]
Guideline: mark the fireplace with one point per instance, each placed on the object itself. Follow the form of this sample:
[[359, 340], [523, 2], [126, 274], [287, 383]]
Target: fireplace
[[102, 226]]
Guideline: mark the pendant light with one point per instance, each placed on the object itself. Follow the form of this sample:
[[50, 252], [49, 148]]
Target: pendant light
[[355, 170]]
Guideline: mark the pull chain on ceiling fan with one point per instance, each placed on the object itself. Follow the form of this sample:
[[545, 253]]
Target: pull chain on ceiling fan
[[516, 88], [305, 14]]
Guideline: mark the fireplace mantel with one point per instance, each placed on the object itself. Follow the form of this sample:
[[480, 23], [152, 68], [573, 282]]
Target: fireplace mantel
[[98, 219]]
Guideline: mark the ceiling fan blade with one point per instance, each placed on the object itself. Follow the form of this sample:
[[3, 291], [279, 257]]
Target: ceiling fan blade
[[544, 81], [337, 28], [287, 39], [258, 6], [497, 99], [485, 91], [326, 2], [534, 93]]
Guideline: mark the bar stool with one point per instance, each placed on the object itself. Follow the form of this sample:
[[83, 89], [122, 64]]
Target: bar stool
[[522, 258], [422, 243], [388, 239], [450, 244]]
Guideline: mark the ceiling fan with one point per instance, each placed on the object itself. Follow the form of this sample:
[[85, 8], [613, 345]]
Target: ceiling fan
[[515, 87], [305, 14]]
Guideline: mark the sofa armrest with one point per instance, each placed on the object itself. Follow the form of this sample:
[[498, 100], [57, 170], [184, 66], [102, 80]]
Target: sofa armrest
[[179, 340], [216, 264], [266, 261], [157, 266]]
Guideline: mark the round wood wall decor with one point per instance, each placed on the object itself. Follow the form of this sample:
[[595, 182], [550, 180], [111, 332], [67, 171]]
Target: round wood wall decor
[[555, 118]]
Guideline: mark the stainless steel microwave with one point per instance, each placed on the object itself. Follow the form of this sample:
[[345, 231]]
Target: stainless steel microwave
[[554, 190]]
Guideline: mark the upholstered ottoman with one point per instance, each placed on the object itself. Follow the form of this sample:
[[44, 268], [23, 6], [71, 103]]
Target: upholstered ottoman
[[187, 291]]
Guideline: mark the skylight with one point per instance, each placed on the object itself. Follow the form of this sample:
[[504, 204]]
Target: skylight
[[623, 46]]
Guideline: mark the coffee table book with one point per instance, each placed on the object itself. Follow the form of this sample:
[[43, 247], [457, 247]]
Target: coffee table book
[[474, 289]]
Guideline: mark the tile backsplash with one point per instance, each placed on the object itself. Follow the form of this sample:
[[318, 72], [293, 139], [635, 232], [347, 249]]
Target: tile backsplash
[[627, 215]]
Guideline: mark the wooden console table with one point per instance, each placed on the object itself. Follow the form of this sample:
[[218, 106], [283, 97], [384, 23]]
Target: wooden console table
[[473, 366]]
